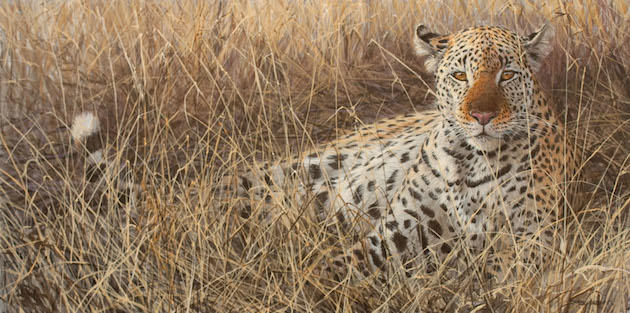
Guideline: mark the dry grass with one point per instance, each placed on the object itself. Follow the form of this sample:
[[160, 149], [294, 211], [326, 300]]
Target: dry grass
[[191, 90]]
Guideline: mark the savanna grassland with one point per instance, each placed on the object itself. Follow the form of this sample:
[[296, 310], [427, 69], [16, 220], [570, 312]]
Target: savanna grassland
[[188, 91]]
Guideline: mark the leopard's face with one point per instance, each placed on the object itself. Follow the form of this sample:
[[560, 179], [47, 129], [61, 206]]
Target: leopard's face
[[484, 81]]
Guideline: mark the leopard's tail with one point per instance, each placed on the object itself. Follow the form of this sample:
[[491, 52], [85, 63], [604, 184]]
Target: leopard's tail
[[89, 142], [86, 136]]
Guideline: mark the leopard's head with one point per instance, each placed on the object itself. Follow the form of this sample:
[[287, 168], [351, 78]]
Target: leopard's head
[[484, 80]]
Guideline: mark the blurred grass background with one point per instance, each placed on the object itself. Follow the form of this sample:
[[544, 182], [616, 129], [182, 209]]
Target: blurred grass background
[[189, 90]]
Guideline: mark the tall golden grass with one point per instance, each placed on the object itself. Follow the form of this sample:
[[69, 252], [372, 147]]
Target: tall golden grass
[[189, 90]]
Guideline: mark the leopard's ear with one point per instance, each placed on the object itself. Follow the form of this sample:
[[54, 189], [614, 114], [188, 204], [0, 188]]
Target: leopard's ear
[[538, 45], [430, 46]]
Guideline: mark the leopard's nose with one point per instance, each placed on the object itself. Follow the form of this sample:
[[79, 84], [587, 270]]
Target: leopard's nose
[[483, 117]]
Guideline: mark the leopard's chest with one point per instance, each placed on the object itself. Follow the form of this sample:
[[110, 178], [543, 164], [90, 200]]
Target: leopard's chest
[[473, 190]]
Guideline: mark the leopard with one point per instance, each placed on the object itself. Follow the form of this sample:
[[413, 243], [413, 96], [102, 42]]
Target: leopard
[[485, 169]]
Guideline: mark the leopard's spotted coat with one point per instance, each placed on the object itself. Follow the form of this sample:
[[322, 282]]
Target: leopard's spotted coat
[[484, 171]]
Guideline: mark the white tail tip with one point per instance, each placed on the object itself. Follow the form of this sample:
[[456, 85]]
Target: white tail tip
[[84, 125]]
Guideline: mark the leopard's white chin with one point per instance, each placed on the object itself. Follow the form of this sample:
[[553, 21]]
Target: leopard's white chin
[[484, 142]]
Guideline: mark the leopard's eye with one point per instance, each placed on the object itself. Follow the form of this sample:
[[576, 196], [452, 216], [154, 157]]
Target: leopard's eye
[[461, 76], [507, 75]]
